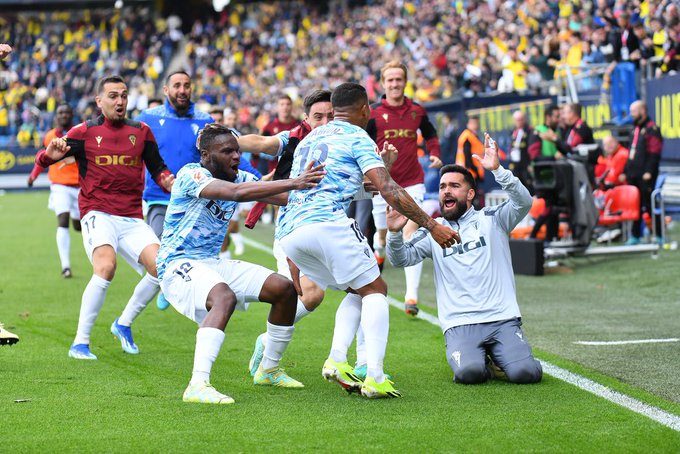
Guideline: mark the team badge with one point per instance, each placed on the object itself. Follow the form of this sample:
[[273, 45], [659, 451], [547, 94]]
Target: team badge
[[414, 115], [385, 117], [133, 139], [161, 121], [99, 140], [198, 176], [194, 127]]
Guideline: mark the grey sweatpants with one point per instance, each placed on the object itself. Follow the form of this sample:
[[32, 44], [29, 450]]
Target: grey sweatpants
[[468, 345], [155, 217]]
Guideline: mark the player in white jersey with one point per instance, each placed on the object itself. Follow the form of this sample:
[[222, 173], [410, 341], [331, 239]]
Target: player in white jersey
[[329, 248], [207, 289], [474, 282]]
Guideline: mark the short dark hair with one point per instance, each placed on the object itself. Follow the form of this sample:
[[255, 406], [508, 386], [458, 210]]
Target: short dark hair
[[216, 109], [473, 117], [155, 100], [66, 105], [314, 97], [549, 110], [181, 71], [284, 96], [455, 168], [115, 79], [349, 94], [206, 136]]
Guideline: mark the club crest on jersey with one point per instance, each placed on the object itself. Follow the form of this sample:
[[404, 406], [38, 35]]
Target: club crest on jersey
[[198, 176], [99, 140], [195, 128], [133, 139], [414, 115], [161, 121], [385, 116]]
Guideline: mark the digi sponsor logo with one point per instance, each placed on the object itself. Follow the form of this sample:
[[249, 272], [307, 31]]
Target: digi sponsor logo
[[219, 213], [460, 249], [118, 160], [400, 133]]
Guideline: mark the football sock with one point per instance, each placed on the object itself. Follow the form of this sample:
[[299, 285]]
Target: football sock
[[237, 238], [208, 344], [64, 247], [375, 323], [91, 304], [144, 292], [277, 340], [301, 311], [413, 281], [361, 347], [347, 319]]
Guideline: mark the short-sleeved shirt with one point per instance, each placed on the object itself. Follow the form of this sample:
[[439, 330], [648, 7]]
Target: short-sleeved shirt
[[195, 227], [348, 153]]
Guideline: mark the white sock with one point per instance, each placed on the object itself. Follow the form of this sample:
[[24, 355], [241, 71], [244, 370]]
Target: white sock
[[375, 322], [361, 347], [347, 319], [208, 344], [90, 305], [277, 340], [413, 281], [237, 238], [146, 290], [301, 311], [64, 247]]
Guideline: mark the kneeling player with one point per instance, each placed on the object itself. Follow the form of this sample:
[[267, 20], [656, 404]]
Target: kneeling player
[[207, 289], [478, 310]]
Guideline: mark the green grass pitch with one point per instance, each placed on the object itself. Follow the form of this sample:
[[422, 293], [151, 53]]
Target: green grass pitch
[[133, 403]]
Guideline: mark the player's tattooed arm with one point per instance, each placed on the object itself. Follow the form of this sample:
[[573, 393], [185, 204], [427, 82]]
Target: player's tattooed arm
[[401, 201]]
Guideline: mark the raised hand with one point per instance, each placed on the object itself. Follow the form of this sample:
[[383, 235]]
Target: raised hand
[[167, 181], [389, 154], [5, 50], [395, 220], [57, 149], [310, 177], [490, 160], [435, 162]]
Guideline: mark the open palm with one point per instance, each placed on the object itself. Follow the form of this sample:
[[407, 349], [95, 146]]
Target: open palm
[[490, 160]]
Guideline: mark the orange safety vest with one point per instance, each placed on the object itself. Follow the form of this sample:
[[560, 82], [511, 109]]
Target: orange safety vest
[[63, 172], [476, 147]]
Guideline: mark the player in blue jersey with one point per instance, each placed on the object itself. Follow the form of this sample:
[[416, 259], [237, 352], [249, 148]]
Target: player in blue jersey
[[207, 289], [329, 248]]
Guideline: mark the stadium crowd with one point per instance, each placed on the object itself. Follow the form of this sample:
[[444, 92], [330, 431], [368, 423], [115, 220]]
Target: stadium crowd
[[247, 55]]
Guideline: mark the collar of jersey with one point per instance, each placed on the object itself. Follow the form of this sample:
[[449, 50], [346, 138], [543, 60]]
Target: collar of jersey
[[171, 112]]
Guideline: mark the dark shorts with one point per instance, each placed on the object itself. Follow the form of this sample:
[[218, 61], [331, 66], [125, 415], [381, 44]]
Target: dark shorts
[[504, 341]]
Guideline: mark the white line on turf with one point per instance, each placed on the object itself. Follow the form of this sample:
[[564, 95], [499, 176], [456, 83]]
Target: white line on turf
[[663, 417], [627, 342]]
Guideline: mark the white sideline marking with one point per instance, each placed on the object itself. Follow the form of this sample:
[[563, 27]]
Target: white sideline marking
[[661, 416], [638, 341]]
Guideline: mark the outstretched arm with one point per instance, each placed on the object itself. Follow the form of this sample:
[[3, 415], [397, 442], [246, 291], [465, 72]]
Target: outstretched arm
[[401, 201], [261, 190], [260, 144]]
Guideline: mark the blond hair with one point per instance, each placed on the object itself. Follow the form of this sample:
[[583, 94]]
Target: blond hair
[[394, 64]]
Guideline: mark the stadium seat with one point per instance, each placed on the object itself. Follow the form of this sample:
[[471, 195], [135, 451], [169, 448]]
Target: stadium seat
[[621, 205]]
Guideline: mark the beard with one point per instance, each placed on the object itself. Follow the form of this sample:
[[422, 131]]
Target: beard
[[453, 214]]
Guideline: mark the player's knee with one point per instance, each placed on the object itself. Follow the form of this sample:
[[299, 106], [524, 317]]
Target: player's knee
[[471, 374], [312, 297], [524, 372], [222, 302], [282, 289], [105, 269]]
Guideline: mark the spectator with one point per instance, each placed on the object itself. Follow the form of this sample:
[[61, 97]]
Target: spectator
[[612, 163], [519, 154]]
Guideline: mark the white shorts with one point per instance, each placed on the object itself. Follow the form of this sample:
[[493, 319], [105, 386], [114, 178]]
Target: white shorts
[[186, 283], [64, 199], [417, 192], [281, 259], [127, 236], [332, 254]]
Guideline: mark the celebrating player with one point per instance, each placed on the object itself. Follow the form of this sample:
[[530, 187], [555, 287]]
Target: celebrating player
[[110, 152], [397, 119], [328, 247], [207, 289], [64, 188], [474, 282]]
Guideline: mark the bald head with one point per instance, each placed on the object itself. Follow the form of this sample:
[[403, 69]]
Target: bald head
[[610, 145], [519, 119], [638, 110]]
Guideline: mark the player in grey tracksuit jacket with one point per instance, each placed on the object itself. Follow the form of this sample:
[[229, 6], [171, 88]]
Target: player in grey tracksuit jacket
[[474, 281]]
